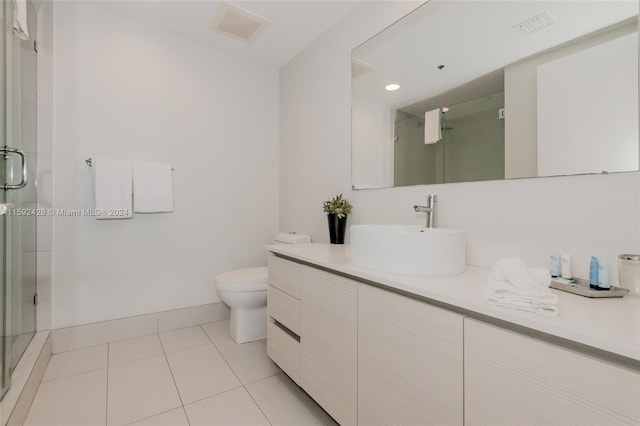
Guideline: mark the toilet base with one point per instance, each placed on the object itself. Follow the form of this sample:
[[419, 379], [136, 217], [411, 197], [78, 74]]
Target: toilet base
[[248, 325]]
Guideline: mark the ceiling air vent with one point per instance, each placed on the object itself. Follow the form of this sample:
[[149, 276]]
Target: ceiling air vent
[[238, 23], [535, 24]]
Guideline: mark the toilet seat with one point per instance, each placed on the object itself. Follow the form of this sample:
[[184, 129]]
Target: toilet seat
[[243, 280]]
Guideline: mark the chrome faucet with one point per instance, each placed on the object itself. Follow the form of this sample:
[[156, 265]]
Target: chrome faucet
[[429, 209]]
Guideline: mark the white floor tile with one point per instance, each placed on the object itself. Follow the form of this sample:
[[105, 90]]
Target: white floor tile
[[217, 330], [75, 400], [230, 408], [77, 361], [140, 389], [201, 372], [134, 349], [284, 403], [175, 417], [177, 340], [249, 360]]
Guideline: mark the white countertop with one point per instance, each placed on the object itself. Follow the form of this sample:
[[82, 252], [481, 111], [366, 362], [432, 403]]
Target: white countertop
[[611, 324]]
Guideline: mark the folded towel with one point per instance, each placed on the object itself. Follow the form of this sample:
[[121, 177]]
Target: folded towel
[[20, 19], [541, 278], [538, 300], [152, 188], [515, 271], [432, 129], [511, 284], [112, 188]]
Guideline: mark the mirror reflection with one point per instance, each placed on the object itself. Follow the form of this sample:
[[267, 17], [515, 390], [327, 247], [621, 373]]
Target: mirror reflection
[[513, 90]]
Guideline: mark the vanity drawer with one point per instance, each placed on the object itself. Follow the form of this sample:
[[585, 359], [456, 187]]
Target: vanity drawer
[[286, 275], [284, 350], [284, 308]]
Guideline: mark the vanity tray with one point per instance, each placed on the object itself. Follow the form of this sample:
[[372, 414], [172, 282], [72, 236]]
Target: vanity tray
[[581, 288]]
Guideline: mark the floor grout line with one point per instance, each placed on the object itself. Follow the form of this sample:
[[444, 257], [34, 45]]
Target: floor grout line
[[172, 376], [73, 374], [243, 385], [152, 416], [256, 402]]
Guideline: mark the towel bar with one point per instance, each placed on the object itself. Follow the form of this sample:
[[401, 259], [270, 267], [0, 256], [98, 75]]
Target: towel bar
[[89, 162]]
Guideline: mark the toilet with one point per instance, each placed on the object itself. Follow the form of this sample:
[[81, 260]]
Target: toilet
[[245, 292]]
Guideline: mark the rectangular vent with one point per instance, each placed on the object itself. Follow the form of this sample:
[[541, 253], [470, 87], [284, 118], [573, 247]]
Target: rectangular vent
[[238, 23], [535, 24]]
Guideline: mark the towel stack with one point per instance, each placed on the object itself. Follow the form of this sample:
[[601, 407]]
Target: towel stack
[[512, 284]]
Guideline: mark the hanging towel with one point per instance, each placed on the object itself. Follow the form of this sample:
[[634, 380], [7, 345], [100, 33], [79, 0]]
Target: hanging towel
[[20, 19], [152, 188], [432, 129], [113, 188]]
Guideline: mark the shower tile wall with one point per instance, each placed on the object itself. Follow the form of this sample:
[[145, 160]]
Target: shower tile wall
[[44, 179]]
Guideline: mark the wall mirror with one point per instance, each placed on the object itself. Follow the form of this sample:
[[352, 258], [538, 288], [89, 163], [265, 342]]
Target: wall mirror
[[490, 90]]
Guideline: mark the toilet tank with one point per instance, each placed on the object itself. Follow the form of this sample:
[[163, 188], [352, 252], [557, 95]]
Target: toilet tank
[[292, 238]]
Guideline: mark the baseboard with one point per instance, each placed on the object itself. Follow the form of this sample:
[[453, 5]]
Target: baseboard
[[25, 380], [82, 336]]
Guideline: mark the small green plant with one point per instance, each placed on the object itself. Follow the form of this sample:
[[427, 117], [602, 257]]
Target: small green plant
[[337, 205]]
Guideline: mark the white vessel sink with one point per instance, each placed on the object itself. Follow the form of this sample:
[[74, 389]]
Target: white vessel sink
[[408, 249]]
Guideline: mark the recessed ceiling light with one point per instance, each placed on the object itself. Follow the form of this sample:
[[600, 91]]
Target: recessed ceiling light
[[391, 87]]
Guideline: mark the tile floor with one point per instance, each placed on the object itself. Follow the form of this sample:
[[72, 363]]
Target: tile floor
[[191, 376]]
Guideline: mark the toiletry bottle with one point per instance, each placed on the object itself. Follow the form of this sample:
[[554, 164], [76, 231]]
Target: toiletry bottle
[[593, 272], [565, 265], [554, 266], [603, 274]]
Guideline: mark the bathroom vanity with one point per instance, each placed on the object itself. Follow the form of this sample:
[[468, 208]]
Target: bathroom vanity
[[375, 348]]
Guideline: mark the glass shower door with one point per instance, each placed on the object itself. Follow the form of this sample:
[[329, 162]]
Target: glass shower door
[[18, 112], [5, 273]]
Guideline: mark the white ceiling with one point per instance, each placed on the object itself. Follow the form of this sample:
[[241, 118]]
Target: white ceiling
[[294, 24]]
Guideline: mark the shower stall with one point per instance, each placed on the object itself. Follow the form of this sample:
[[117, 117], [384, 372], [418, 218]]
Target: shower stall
[[18, 199], [471, 148]]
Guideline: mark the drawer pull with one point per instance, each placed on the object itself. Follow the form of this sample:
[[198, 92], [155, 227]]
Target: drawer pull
[[285, 329]]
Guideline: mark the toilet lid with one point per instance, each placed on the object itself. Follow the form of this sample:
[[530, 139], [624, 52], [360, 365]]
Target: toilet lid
[[249, 279]]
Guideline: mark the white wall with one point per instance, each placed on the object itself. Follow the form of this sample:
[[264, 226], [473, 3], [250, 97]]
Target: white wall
[[580, 214], [126, 90]]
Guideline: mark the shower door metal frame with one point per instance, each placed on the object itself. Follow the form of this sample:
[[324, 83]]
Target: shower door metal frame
[[5, 220]]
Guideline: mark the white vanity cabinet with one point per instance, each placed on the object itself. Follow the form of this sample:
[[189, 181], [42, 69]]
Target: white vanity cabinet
[[512, 379], [372, 356], [283, 307], [312, 334], [410, 359], [328, 367]]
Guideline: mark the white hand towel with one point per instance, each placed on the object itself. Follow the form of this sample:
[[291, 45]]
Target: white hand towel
[[20, 19], [515, 271], [432, 129], [152, 188], [112, 188], [537, 299]]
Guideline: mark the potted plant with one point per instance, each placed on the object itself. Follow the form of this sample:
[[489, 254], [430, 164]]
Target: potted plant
[[337, 208]]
